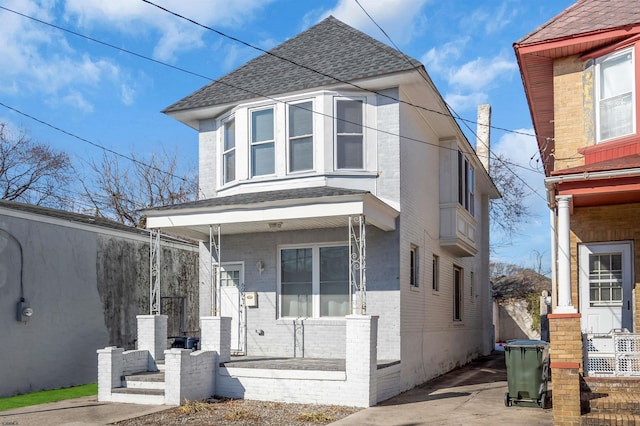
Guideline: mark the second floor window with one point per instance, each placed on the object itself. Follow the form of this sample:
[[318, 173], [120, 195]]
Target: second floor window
[[466, 184], [615, 95], [229, 151], [262, 143], [349, 134], [300, 137]]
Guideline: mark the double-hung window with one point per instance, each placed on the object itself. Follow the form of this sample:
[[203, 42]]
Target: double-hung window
[[349, 134], [229, 152], [262, 142], [466, 184], [314, 281], [615, 95], [300, 137]]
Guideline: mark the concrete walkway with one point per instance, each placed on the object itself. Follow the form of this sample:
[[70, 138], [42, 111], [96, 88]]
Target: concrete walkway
[[471, 395], [79, 411]]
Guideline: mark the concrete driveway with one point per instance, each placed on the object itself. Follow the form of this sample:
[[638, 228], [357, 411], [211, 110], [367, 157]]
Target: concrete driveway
[[471, 395]]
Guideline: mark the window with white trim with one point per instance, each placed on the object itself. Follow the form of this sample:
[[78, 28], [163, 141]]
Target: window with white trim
[[466, 184], [300, 136], [458, 285], [349, 118], [229, 152], [314, 281], [615, 95], [262, 142]]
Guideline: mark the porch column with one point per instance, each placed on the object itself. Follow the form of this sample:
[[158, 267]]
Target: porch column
[[361, 360], [215, 335], [152, 336], [564, 257]]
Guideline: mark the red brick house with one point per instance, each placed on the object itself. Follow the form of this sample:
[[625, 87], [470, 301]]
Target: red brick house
[[580, 73]]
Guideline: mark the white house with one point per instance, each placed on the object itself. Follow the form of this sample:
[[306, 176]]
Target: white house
[[336, 185]]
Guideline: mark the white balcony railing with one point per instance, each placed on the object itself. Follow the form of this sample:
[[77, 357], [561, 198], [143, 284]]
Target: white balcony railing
[[616, 354]]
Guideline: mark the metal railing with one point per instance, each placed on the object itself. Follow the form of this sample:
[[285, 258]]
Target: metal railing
[[616, 354]]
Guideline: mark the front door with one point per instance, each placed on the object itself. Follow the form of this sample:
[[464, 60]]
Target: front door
[[605, 287], [231, 298]]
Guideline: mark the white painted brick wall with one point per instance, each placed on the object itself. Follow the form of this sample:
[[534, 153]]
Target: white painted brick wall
[[215, 335], [110, 367], [189, 376], [152, 336]]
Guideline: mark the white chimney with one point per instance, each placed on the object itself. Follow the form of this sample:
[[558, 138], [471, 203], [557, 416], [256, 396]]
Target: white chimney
[[483, 134]]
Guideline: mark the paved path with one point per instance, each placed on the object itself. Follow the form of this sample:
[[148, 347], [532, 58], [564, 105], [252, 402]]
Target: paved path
[[79, 411], [472, 395]]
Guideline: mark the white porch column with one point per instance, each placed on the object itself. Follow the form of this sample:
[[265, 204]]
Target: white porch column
[[564, 256], [152, 336], [215, 335], [361, 360]]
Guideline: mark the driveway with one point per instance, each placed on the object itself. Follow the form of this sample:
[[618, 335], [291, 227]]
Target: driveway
[[471, 395]]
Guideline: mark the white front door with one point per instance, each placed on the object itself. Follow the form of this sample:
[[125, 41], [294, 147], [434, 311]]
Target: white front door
[[231, 297], [606, 275]]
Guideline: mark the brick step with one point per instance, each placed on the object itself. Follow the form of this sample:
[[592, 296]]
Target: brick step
[[160, 364], [138, 396], [146, 380], [609, 419], [628, 403]]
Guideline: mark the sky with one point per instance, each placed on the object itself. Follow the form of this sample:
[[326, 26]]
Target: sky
[[105, 96]]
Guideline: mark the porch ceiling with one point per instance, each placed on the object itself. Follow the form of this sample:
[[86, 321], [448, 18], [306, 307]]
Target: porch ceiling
[[272, 213]]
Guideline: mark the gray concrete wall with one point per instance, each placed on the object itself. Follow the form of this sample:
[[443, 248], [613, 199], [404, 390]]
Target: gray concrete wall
[[85, 285]]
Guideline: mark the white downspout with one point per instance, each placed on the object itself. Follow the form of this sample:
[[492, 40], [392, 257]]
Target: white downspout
[[564, 256]]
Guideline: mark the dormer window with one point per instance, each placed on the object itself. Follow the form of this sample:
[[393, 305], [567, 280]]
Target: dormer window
[[615, 95], [262, 142], [300, 137], [229, 151], [349, 134]]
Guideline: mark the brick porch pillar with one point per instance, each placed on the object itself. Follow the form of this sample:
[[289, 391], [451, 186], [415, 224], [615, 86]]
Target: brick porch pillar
[[152, 336], [215, 335], [566, 367]]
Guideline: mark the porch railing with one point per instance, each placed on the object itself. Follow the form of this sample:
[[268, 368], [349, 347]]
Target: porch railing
[[616, 354]]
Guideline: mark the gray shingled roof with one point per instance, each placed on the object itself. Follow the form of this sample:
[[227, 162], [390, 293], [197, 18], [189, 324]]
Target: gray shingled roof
[[331, 47], [587, 16], [263, 197]]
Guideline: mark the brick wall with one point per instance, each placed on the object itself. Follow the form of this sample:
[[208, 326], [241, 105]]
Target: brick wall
[[566, 366]]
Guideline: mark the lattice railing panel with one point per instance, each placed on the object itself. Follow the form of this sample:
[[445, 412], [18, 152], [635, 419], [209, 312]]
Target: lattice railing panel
[[616, 354]]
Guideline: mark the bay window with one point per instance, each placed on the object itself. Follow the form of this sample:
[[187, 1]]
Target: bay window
[[349, 134], [262, 142], [314, 281], [300, 137], [615, 95], [466, 184]]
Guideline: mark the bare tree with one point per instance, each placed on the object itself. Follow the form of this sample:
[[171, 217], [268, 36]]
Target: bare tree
[[119, 191], [30, 172], [508, 212]]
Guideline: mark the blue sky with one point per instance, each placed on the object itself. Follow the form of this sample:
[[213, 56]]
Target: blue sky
[[114, 99]]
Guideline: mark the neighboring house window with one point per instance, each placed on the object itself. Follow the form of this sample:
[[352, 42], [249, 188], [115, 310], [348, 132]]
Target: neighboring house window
[[435, 273], [300, 137], [615, 95], [605, 279], [466, 184], [413, 268], [262, 142], [457, 293], [314, 281], [229, 151], [472, 284], [349, 134]]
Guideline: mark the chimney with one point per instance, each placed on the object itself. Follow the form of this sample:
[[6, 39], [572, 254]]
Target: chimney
[[483, 133]]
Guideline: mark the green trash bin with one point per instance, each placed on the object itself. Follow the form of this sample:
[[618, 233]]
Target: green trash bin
[[527, 372]]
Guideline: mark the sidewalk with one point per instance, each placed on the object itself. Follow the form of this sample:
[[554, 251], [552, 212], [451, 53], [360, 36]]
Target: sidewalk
[[79, 411], [471, 395]]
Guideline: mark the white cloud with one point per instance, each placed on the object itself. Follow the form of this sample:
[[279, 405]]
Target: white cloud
[[437, 60], [497, 19], [463, 102], [78, 101], [175, 34], [127, 94], [403, 20], [482, 72]]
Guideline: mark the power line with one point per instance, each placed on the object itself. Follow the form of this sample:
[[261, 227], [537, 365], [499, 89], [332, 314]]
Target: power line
[[259, 49]]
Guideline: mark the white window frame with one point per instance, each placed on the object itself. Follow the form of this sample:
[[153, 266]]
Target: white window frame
[[293, 138], [598, 99], [466, 183], [315, 282], [363, 102], [228, 151], [253, 144]]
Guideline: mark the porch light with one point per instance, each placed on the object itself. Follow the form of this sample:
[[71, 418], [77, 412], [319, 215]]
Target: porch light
[[275, 225]]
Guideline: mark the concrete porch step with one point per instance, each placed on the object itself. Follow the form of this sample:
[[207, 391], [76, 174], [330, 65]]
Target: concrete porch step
[[609, 419], [138, 396], [146, 380], [160, 364]]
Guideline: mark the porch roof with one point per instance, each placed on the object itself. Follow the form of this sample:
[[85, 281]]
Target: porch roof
[[272, 211]]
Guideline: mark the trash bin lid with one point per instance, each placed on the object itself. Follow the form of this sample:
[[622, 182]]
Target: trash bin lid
[[526, 343]]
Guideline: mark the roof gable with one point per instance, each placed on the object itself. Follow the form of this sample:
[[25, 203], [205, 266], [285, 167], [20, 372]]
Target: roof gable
[[586, 16], [327, 53]]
